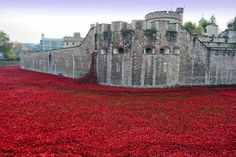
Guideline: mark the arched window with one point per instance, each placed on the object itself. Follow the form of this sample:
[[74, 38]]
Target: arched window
[[103, 51], [162, 50], [176, 51], [119, 50], [115, 51], [149, 50], [165, 50]]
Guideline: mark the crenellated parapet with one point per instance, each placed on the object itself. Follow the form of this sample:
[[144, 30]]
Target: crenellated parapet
[[162, 14], [171, 16], [118, 37]]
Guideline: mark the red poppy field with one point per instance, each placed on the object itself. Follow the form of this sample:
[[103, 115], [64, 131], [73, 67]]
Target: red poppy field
[[47, 115]]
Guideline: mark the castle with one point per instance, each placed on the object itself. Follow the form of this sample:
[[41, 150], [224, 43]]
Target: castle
[[154, 52]]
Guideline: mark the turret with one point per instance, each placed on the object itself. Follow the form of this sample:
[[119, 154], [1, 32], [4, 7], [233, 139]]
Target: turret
[[213, 19], [170, 16], [201, 20], [212, 28], [181, 12]]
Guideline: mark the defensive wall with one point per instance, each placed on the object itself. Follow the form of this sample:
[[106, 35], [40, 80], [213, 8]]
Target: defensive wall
[[162, 54], [70, 62]]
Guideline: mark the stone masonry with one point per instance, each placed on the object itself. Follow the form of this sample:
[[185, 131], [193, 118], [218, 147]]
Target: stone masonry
[[155, 52]]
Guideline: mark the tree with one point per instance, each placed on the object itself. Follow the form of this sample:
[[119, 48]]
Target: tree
[[232, 25], [204, 23], [190, 27], [5, 44], [15, 50], [198, 30]]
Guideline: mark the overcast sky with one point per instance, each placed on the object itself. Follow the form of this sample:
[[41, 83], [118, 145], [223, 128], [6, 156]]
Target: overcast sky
[[26, 20]]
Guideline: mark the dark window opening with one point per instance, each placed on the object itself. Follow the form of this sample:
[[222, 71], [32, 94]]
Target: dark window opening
[[162, 51], [171, 36], [121, 50], [148, 50]]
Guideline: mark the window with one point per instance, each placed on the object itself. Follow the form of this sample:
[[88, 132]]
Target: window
[[103, 51], [121, 50], [162, 50], [171, 36], [165, 50], [149, 50], [118, 51], [115, 51], [176, 51]]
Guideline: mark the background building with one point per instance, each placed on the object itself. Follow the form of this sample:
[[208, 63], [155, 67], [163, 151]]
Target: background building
[[31, 47], [212, 28], [72, 41], [50, 43], [1, 55]]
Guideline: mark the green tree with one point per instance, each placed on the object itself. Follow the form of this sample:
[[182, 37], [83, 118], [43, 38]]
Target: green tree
[[15, 50], [190, 27], [198, 30], [204, 23], [232, 25], [194, 29], [5, 44]]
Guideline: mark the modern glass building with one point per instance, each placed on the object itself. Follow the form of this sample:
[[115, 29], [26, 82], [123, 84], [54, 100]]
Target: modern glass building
[[50, 43]]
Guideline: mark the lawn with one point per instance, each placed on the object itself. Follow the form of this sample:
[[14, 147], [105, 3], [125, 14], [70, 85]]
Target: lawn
[[47, 115]]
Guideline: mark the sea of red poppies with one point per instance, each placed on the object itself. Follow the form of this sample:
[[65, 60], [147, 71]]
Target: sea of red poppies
[[47, 115]]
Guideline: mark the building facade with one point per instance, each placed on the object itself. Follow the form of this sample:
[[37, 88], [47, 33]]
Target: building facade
[[30, 47], [72, 41], [50, 43], [1, 55]]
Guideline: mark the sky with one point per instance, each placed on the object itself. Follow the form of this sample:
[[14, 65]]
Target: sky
[[25, 20]]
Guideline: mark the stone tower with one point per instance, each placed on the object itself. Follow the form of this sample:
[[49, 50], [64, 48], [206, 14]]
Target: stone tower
[[168, 16], [212, 28], [181, 12]]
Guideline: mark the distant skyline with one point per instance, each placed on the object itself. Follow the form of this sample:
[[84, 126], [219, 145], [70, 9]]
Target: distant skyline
[[25, 20]]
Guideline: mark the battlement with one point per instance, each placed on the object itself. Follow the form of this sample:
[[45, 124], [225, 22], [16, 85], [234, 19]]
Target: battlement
[[118, 25], [162, 14], [171, 16]]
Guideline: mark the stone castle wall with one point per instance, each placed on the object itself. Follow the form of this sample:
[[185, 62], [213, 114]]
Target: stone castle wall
[[186, 63], [136, 55], [70, 62], [222, 67]]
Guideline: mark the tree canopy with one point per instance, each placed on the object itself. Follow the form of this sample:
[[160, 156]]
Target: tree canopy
[[15, 50], [194, 29], [190, 27], [203, 24], [5, 44], [10, 50], [232, 25]]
